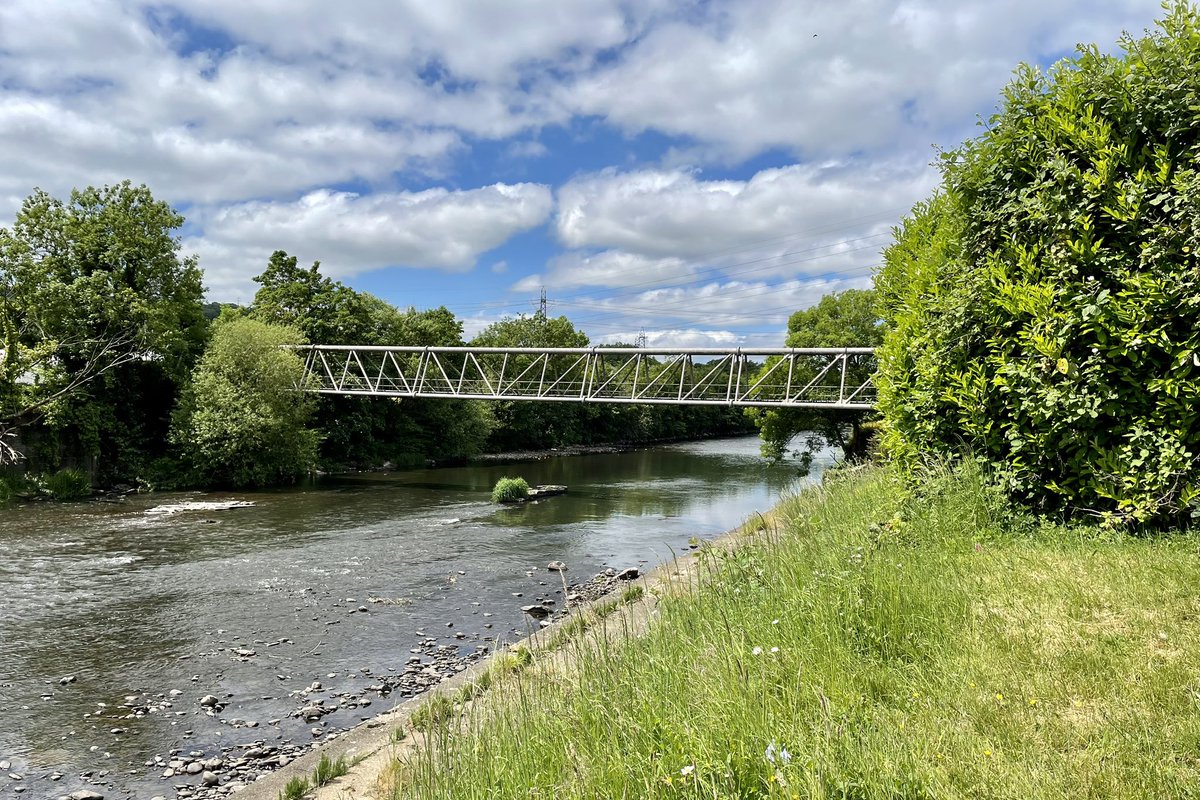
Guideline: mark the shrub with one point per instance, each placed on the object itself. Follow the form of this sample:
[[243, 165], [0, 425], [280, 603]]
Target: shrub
[[240, 421], [510, 490], [67, 484], [1042, 307]]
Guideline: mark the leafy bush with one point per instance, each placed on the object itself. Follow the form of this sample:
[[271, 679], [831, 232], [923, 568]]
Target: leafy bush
[[510, 490], [241, 422], [1042, 306], [67, 484]]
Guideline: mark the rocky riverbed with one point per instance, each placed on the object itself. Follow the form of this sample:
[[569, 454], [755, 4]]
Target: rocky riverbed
[[339, 583], [255, 748]]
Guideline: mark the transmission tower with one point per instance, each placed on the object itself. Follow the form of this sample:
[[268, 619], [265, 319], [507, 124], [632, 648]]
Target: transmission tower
[[640, 341], [542, 303]]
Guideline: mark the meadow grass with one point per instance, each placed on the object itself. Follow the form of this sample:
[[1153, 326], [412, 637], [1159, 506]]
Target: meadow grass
[[326, 771], [864, 645]]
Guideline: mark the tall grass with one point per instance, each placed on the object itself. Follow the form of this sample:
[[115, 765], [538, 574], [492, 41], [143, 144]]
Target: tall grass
[[67, 484], [868, 646], [510, 490]]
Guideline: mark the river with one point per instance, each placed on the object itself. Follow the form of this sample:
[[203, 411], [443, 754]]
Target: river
[[339, 582]]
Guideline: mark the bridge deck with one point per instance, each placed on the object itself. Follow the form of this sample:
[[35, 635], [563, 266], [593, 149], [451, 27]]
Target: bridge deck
[[835, 378]]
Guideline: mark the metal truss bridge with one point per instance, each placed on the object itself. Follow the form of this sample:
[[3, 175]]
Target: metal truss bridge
[[832, 378]]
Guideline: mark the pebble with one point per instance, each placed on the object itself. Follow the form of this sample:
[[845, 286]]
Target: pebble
[[220, 775]]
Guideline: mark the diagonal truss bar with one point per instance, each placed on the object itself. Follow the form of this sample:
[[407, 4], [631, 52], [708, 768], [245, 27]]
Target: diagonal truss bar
[[830, 377]]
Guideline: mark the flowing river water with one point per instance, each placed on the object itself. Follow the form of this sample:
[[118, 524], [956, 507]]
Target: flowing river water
[[339, 582]]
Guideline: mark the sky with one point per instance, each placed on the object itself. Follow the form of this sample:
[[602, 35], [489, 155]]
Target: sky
[[697, 170]]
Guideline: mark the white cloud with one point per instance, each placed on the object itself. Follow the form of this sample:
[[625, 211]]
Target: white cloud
[[282, 99], [473, 41], [757, 310], [801, 219], [613, 268], [817, 78], [289, 97], [677, 337], [350, 233]]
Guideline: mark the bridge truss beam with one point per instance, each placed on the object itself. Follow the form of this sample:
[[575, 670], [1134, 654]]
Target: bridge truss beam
[[834, 378]]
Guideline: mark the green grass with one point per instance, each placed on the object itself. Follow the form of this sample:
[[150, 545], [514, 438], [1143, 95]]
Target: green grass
[[329, 769], [434, 713], [510, 490], [893, 648], [67, 484], [295, 788]]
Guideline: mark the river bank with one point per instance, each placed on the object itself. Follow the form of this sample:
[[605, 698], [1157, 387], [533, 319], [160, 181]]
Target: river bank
[[260, 767], [519, 456], [860, 642], [162, 610]]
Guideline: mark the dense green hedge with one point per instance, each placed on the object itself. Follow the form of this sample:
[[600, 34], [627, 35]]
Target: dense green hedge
[[1044, 307]]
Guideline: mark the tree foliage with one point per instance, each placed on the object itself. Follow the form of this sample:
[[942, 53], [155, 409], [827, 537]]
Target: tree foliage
[[1042, 307], [521, 424], [367, 431], [845, 319], [240, 422], [93, 291]]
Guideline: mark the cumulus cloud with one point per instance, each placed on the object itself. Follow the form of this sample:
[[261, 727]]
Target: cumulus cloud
[[818, 78], [672, 226], [677, 337], [232, 110], [350, 233], [675, 212], [611, 268], [754, 312]]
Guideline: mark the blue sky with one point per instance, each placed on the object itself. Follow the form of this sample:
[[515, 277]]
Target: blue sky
[[695, 169]]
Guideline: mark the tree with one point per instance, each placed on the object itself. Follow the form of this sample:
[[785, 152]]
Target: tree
[[325, 311], [846, 319], [91, 288], [370, 431], [241, 422], [1042, 307], [521, 425]]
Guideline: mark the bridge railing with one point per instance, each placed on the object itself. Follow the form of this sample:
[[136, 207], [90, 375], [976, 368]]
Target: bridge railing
[[838, 378]]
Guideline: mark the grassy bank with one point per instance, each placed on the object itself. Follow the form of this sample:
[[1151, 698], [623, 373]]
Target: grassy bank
[[865, 646]]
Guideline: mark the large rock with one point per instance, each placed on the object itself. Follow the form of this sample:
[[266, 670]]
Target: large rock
[[548, 490], [537, 612], [556, 566]]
